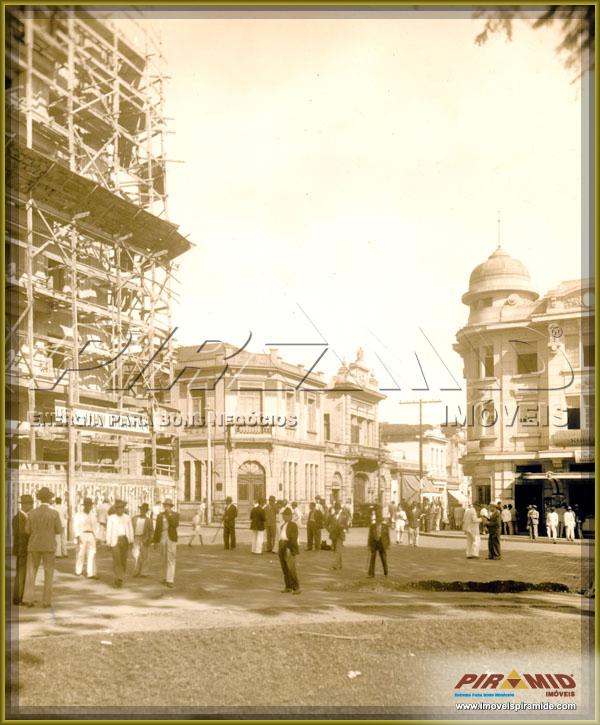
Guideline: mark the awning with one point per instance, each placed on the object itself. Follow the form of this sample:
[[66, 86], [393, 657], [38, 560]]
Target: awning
[[409, 487], [428, 486], [460, 497]]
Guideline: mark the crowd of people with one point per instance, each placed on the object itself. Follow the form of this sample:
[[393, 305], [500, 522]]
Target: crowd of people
[[39, 534]]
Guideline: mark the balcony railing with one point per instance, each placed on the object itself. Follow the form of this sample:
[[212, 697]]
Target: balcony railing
[[573, 438]]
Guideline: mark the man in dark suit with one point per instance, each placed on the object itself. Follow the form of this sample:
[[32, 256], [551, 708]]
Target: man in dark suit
[[229, 517], [314, 524], [20, 540], [379, 541], [257, 525], [337, 525], [43, 525], [288, 549], [165, 534], [493, 527], [271, 523]]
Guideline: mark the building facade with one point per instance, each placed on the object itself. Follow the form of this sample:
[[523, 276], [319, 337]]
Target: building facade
[[529, 363], [251, 426], [90, 259]]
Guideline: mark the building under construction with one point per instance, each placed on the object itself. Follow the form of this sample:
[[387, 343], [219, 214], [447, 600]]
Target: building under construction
[[90, 258]]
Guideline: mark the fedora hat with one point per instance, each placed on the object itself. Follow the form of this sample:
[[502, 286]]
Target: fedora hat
[[44, 495]]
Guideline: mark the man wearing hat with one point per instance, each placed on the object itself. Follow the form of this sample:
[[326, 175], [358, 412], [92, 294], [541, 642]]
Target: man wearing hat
[[569, 524], [43, 525], [87, 530], [493, 526], [119, 534], [229, 517], [143, 533], [271, 523], [533, 521], [166, 535], [20, 541]]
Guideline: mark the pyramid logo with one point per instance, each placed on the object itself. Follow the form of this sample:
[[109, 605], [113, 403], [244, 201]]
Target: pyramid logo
[[513, 682]]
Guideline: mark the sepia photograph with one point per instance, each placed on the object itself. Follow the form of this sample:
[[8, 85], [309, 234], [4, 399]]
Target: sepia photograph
[[299, 362]]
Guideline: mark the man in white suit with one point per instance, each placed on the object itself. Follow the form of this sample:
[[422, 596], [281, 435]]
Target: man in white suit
[[119, 534], [471, 523]]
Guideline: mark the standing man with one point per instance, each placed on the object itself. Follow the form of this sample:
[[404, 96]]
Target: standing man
[[552, 525], [197, 527], [413, 516], [579, 519], [257, 526], [314, 524], [43, 525], [143, 533], [569, 524], [514, 519], [119, 534], [533, 521], [493, 526], [86, 531], [288, 549], [393, 510], [271, 523], [61, 539], [102, 512], [378, 541], [471, 528], [400, 523], [202, 512], [20, 541], [506, 521], [296, 514], [459, 515], [229, 517], [337, 525], [166, 535]]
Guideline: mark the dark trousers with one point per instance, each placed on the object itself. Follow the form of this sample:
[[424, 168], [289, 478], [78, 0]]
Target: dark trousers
[[377, 546], [313, 537], [271, 532], [494, 544], [288, 566], [19, 585], [229, 536], [119, 556]]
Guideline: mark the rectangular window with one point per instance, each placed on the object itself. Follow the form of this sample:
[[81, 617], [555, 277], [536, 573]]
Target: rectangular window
[[250, 401], [306, 479], [312, 414], [527, 363], [290, 402], [486, 356], [589, 352], [355, 431], [198, 399], [295, 481], [573, 413], [488, 419], [187, 473], [284, 486], [198, 482], [327, 426], [482, 493], [317, 482], [528, 417], [589, 406]]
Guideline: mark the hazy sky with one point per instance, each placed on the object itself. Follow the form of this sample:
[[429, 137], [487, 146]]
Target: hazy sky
[[346, 174]]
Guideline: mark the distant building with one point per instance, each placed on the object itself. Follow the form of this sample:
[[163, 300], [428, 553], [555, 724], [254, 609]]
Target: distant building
[[529, 366]]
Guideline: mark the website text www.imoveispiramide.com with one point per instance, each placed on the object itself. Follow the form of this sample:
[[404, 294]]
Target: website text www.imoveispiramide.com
[[515, 706]]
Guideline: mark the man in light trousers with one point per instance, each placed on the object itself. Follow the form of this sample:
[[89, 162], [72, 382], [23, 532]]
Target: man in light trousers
[[87, 531], [165, 534], [471, 523]]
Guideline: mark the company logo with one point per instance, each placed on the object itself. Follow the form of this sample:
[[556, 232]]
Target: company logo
[[557, 685]]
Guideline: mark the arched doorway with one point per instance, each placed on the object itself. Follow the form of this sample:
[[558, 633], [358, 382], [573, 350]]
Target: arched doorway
[[251, 485], [336, 487], [360, 489]]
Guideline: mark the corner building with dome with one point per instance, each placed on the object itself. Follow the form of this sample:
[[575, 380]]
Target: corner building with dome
[[529, 371]]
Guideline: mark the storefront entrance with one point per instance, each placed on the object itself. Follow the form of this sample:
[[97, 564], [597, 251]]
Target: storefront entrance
[[251, 486]]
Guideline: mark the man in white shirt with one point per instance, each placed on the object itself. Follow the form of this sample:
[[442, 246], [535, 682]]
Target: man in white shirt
[[552, 524], [296, 514], [506, 521], [471, 523], [61, 539], [570, 524], [119, 534], [102, 515], [86, 532], [400, 523]]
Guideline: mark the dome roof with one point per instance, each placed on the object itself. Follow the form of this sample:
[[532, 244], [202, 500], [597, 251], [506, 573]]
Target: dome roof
[[499, 273]]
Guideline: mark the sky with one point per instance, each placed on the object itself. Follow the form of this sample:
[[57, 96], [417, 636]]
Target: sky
[[343, 177]]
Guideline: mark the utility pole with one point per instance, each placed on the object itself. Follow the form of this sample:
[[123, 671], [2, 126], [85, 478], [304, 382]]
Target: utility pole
[[421, 403]]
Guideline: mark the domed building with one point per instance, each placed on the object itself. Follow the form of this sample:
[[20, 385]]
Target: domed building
[[529, 371]]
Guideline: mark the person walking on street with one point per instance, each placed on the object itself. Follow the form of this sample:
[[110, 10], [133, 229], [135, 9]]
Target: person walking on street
[[533, 521], [271, 523], [86, 529], [514, 519], [43, 526], [61, 539], [414, 518], [493, 526], [579, 519], [314, 524], [288, 550], [337, 525], [165, 536], [378, 541], [570, 524], [552, 525], [437, 516], [197, 527], [506, 521], [143, 534], [202, 512], [102, 515], [470, 526], [257, 525], [229, 517], [19, 550], [119, 534], [400, 524]]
